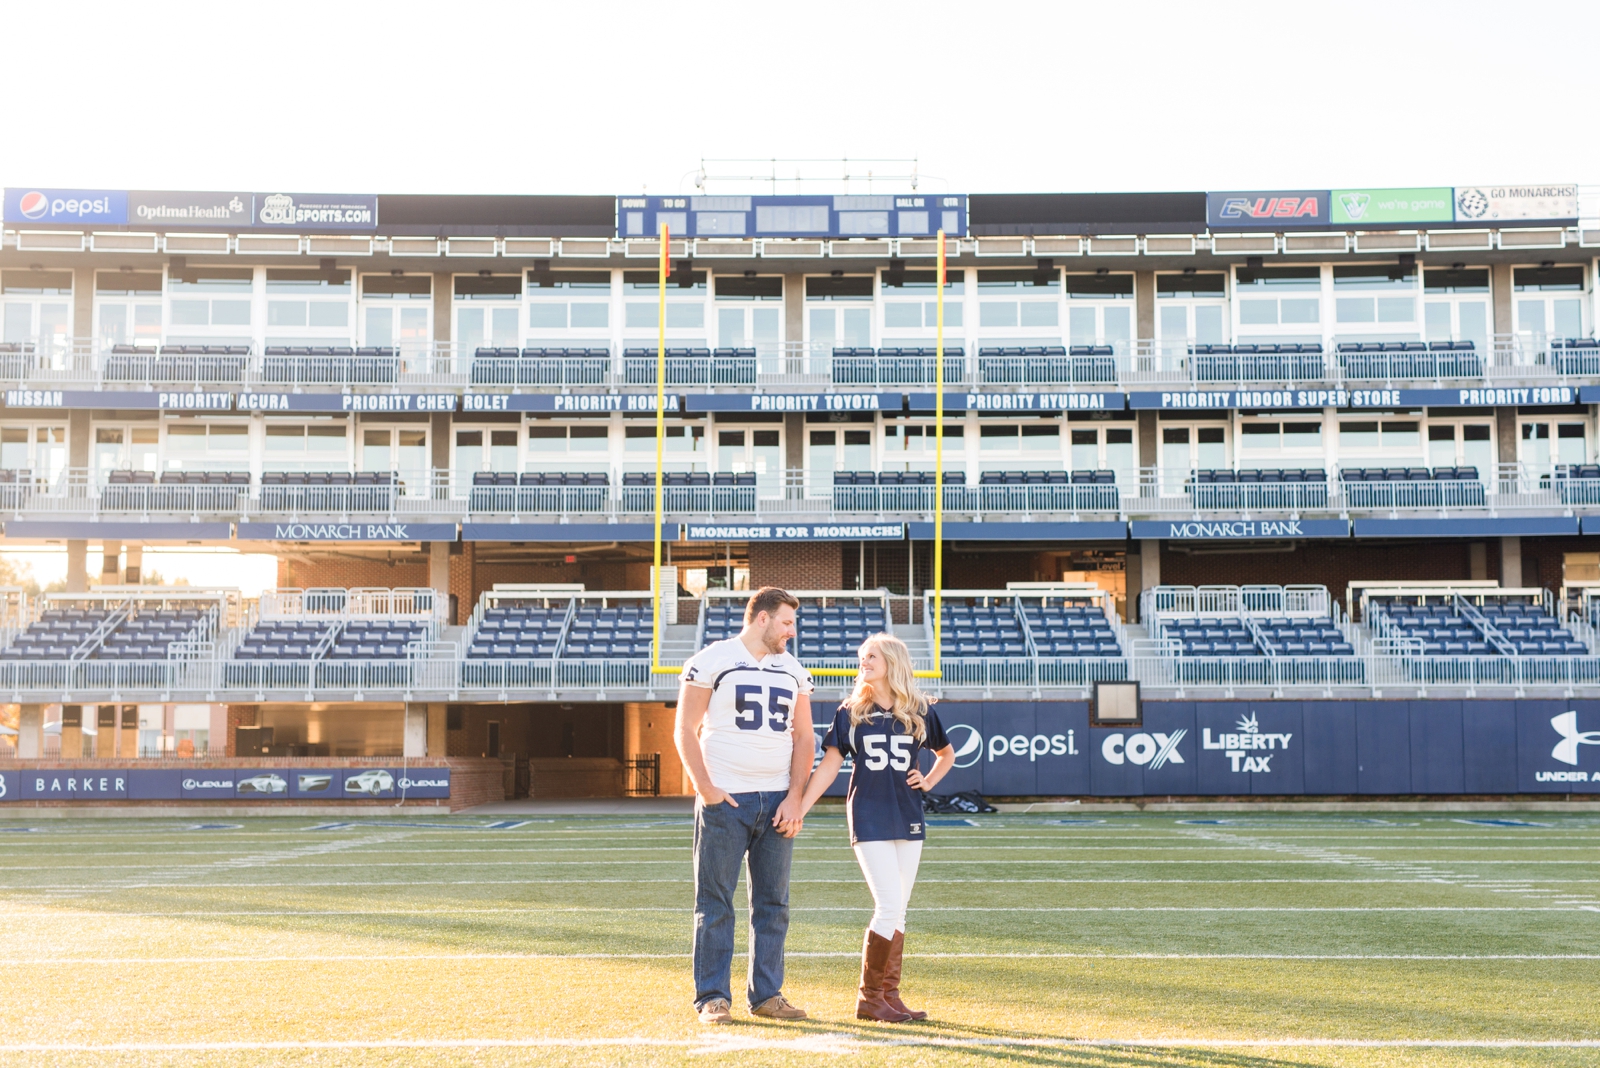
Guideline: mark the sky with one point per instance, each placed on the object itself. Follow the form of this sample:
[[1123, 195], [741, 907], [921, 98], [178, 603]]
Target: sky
[[622, 98]]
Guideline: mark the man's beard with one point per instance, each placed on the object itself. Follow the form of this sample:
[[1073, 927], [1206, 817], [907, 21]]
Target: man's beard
[[774, 643]]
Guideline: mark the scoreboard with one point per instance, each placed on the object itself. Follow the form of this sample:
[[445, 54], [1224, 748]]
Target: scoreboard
[[873, 215]]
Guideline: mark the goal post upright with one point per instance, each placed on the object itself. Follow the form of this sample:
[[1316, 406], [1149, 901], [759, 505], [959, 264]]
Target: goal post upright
[[661, 443], [938, 479]]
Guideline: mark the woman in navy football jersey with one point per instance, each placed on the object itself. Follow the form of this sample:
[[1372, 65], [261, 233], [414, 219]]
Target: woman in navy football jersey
[[884, 725]]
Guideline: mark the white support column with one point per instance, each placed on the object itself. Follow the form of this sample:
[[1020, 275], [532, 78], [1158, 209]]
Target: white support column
[[416, 739], [110, 563], [1149, 564], [30, 732], [133, 564], [77, 566], [1511, 562]]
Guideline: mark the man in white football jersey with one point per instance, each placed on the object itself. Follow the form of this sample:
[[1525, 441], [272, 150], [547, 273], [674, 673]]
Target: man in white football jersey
[[744, 732]]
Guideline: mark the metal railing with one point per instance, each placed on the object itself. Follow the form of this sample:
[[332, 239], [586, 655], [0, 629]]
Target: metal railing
[[1103, 364]]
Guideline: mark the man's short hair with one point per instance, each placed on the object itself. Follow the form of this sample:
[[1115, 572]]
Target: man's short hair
[[768, 599]]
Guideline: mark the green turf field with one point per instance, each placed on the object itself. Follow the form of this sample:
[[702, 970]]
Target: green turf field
[[1247, 941]]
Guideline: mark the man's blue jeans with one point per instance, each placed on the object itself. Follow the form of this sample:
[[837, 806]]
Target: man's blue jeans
[[723, 836]]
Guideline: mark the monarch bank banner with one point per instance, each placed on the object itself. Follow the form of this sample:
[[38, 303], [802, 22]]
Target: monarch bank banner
[[347, 532], [1239, 529]]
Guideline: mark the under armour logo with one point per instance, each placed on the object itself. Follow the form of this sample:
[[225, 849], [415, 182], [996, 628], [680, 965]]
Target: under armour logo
[[1566, 749]]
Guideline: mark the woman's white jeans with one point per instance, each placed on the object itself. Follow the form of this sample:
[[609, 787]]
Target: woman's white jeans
[[891, 871]]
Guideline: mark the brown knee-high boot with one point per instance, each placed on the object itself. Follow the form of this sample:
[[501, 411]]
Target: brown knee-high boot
[[891, 978], [874, 959]]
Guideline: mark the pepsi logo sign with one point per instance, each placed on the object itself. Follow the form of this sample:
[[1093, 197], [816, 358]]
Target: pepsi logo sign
[[33, 205]]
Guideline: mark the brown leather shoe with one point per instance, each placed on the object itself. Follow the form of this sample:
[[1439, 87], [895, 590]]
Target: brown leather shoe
[[777, 1007], [891, 978], [716, 1011], [869, 1003]]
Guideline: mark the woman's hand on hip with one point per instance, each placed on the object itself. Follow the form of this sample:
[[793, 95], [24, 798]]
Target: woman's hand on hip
[[914, 779]]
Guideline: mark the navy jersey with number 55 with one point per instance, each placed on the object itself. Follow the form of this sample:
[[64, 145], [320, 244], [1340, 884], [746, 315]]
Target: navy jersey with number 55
[[880, 805]]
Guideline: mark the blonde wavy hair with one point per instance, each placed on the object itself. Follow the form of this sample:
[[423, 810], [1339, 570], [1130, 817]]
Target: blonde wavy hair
[[908, 703]]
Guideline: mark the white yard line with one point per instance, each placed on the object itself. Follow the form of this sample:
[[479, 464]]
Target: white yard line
[[400, 958], [836, 1043]]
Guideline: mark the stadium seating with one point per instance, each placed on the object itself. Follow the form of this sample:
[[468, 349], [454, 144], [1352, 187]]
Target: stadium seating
[[540, 491], [869, 491], [1047, 365], [175, 491], [1412, 487], [1063, 627], [178, 363], [1287, 362], [330, 365], [1289, 489], [1578, 483], [1249, 635], [981, 626], [690, 491], [540, 366], [328, 491], [113, 628], [1383, 360], [609, 632], [1576, 356], [895, 366], [828, 626], [1451, 626], [691, 367]]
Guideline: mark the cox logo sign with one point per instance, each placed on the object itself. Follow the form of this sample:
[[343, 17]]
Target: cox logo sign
[[1154, 749]]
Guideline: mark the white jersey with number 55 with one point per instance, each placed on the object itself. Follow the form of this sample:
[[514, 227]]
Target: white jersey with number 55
[[747, 735]]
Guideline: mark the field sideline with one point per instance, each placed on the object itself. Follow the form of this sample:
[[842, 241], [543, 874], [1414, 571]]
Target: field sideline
[[1249, 940]]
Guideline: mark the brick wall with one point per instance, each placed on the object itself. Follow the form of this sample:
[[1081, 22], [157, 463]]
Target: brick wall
[[1546, 554], [648, 729], [239, 716], [816, 565], [347, 571]]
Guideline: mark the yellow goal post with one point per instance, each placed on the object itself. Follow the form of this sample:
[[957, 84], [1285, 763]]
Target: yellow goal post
[[656, 667]]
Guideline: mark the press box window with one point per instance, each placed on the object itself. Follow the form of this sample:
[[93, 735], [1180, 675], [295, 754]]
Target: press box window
[[548, 444], [127, 283], [1034, 438], [1397, 436], [679, 440], [1191, 286], [1260, 303], [36, 283], [1260, 438], [1547, 279], [681, 313], [1393, 298], [283, 283], [191, 444], [212, 296], [733, 287], [396, 287], [1445, 280], [850, 287], [899, 313], [302, 447], [501, 454], [492, 287]]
